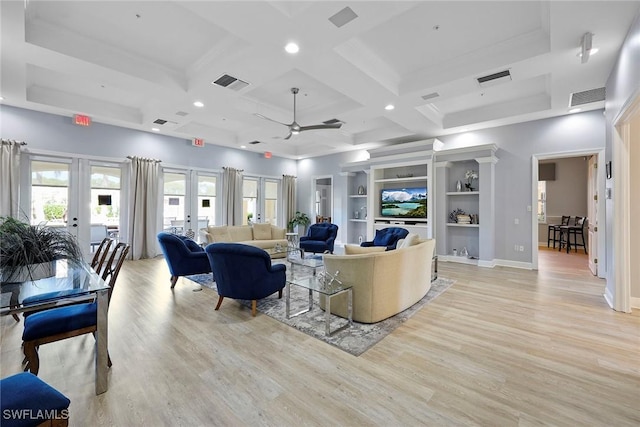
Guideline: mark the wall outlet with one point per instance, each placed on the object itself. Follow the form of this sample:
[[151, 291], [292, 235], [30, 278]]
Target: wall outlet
[[515, 248], [521, 248]]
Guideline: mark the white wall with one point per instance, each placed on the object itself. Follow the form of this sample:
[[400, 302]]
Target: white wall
[[623, 85]]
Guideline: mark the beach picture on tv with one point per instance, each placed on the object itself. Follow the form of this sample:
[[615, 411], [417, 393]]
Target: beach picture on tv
[[404, 202]]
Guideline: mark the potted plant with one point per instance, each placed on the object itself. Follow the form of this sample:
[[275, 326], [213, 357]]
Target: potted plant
[[299, 219], [29, 252]]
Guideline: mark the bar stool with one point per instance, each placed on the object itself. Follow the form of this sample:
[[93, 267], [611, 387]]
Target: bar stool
[[28, 401], [553, 233]]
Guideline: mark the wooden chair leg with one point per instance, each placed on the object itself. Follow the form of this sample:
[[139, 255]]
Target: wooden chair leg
[[220, 298], [33, 360], [174, 280], [254, 307]]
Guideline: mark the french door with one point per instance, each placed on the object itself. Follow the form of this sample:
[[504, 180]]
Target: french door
[[189, 201], [260, 200], [79, 195]]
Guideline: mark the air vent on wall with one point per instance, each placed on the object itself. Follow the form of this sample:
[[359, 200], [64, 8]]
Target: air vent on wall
[[254, 142], [343, 17], [430, 96], [230, 82], [587, 96], [494, 79]]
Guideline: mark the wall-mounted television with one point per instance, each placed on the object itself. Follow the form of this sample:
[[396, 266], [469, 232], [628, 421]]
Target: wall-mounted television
[[404, 202]]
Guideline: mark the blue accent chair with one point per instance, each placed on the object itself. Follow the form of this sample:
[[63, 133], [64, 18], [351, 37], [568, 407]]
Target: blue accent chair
[[26, 401], [244, 272], [184, 256], [387, 237], [320, 238]]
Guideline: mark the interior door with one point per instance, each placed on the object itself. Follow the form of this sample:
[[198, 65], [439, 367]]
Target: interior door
[[592, 212]]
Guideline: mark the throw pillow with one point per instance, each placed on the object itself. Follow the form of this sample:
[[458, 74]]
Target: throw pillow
[[410, 240], [220, 234], [262, 231], [355, 249]]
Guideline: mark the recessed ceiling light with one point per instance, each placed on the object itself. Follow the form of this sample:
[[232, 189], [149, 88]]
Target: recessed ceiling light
[[389, 107], [591, 52], [575, 110], [292, 47], [198, 104], [243, 146], [155, 129]]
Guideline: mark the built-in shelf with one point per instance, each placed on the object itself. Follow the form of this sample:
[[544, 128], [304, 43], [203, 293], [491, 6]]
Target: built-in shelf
[[357, 220], [463, 193], [358, 196], [408, 179], [454, 224], [390, 220]]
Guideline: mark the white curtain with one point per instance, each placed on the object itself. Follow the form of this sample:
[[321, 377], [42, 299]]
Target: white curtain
[[289, 196], [144, 196], [232, 196], [10, 177]]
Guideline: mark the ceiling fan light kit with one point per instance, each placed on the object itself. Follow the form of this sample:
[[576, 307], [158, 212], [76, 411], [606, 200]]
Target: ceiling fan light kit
[[294, 127]]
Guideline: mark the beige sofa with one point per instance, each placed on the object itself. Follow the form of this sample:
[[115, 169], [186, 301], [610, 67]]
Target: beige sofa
[[264, 236], [384, 283]]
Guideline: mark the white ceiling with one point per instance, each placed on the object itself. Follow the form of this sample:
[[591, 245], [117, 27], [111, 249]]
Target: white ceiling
[[130, 63]]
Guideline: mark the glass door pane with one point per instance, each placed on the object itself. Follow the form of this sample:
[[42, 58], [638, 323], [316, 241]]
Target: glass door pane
[[105, 203], [271, 202], [206, 201], [175, 188], [49, 193], [249, 200]]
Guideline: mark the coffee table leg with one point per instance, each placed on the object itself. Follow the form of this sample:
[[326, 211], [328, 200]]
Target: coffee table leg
[[350, 305], [327, 315], [287, 299], [310, 300]]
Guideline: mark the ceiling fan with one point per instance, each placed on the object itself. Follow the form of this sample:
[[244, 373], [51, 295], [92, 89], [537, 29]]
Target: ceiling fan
[[294, 127]]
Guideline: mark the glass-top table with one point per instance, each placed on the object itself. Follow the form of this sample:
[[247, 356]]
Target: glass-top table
[[70, 285], [330, 290]]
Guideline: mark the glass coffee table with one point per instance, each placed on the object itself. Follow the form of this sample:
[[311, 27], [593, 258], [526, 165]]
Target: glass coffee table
[[315, 284], [312, 263]]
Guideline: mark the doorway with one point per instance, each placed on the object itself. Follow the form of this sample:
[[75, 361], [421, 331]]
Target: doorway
[[586, 195], [323, 199]]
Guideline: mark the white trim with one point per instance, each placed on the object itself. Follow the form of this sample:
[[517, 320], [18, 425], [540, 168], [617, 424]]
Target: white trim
[[513, 264], [608, 297], [488, 159], [487, 264], [49, 153], [635, 302], [445, 164], [470, 149], [406, 145]]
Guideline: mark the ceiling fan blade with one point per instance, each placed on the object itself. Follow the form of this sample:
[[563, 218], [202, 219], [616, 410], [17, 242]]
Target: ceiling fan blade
[[270, 119], [322, 126]]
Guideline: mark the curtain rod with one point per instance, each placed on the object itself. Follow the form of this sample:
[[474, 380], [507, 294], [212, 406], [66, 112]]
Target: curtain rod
[[291, 176], [229, 167], [14, 141], [144, 158]]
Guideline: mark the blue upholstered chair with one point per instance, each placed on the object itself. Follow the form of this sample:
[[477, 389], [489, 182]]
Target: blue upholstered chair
[[320, 238], [60, 323], [184, 256], [244, 272], [26, 400], [387, 237]]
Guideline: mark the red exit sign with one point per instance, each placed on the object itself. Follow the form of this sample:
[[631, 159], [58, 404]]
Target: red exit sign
[[198, 142], [81, 120]]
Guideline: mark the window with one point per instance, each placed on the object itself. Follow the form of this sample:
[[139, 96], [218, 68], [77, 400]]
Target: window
[[175, 188], [105, 196], [542, 201], [49, 192], [206, 200], [271, 202], [249, 200]]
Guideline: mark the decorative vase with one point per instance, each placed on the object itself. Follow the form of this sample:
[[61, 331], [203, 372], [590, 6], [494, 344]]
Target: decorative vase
[[458, 185], [361, 190]]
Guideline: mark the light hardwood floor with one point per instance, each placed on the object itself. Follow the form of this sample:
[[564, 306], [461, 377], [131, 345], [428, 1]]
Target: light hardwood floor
[[502, 347]]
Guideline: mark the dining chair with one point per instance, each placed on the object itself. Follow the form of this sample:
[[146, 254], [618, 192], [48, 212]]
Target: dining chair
[[575, 231], [101, 254], [60, 323], [565, 233], [553, 233]]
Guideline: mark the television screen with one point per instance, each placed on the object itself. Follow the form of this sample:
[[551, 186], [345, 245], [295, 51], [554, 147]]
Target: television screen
[[404, 202]]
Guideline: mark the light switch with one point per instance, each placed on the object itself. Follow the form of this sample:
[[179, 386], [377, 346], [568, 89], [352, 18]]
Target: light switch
[[529, 208]]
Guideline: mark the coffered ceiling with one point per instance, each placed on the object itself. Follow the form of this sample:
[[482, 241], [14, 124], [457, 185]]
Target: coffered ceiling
[[131, 63]]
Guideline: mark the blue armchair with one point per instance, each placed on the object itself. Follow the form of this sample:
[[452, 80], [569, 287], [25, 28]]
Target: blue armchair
[[184, 256], [320, 238], [244, 272], [387, 237]]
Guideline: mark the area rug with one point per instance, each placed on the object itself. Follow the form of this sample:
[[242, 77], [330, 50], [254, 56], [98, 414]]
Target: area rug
[[354, 340]]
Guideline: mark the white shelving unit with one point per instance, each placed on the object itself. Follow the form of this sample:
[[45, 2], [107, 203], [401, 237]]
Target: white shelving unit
[[357, 205], [478, 238]]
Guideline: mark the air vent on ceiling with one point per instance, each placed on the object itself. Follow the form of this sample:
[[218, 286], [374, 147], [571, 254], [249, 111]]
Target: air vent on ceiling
[[159, 121], [230, 82], [495, 78], [332, 122], [430, 96], [182, 114], [587, 96], [343, 17], [254, 142]]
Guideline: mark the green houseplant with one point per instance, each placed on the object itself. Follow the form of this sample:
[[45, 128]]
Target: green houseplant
[[28, 252], [299, 219]]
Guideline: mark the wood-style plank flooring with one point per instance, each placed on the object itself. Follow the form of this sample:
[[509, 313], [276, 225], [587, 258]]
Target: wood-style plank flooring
[[502, 347]]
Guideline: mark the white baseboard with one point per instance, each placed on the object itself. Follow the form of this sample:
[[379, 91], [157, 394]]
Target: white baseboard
[[608, 297], [513, 264], [486, 264], [635, 302]]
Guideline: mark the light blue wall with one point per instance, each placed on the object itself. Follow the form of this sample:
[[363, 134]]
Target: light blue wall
[[50, 132], [622, 86]]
